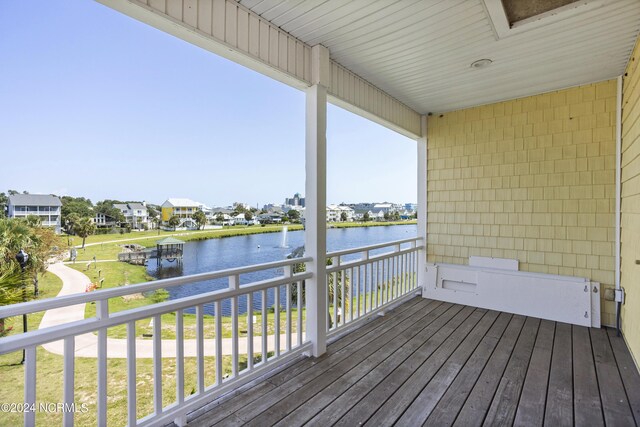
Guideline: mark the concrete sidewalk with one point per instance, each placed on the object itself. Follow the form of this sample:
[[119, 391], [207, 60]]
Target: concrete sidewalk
[[87, 344]]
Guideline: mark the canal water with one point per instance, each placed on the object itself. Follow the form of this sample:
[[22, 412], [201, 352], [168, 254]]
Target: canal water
[[219, 254]]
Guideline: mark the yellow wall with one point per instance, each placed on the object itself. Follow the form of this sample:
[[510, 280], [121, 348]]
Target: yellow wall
[[630, 221], [167, 213], [532, 179]]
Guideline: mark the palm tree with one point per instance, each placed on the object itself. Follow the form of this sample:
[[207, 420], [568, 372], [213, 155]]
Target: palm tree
[[200, 218], [84, 228], [174, 221]]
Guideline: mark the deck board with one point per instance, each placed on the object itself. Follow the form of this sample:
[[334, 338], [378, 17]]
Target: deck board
[[505, 401], [587, 406], [615, 403], [559, 411], [434, 363], [533, 398]]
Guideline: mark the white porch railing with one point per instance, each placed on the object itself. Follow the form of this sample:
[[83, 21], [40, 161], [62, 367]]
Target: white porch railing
[[281, 346], [363, 282], [383, 274]]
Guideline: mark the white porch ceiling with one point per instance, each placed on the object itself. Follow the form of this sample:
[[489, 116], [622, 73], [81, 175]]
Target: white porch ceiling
[[420, 51]]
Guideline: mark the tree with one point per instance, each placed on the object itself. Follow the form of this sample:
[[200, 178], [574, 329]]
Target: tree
[[248, 216], [84, 228], [343, 216], [38, 242], [366, 217], [396, 216], [4, 202], [387, 216], [220, 217], [79, 206], [174, 221], [49, 245], [293, 215], [200, 218]]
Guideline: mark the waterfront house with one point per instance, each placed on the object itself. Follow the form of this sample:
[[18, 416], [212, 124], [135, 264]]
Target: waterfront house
[[519, 306], [182, 208], [334, 213], [135, 214], [104, 221], [44, 206]]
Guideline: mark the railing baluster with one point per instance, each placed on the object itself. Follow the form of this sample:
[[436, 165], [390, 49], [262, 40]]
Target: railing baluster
[[157, 364], [357, 281], [250, 331], [234, 284], [370, 286], [179, 356], [401, 273], [265, 348], [235, 336], [29, 384], [69, 372], [288, 308], [132, 417], [200, 347], [351, 293], [343, 297], [377, 282], [218, 313], [102, 312], [336, 262], [276, 320], [299, 304]]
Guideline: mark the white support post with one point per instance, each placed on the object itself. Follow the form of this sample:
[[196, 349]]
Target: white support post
[[316, 199], [422, 202]]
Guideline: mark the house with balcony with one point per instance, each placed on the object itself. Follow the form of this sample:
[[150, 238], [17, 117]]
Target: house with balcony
[[44, 206], [335, 213], [518, 300], [135, 214]]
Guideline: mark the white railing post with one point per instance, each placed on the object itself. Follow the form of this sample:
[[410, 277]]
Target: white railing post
[[422, 203], [315, 211], [102, 312]]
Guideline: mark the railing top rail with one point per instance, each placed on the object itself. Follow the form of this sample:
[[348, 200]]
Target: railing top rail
[[79, 327], [105, 294], [372, 247], [372, 259]]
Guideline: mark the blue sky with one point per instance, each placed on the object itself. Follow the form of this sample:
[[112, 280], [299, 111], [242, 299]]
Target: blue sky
[[96, 104]]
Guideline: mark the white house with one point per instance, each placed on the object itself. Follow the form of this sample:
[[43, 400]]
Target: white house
[[135, 214], [334, 213], [45, 206]]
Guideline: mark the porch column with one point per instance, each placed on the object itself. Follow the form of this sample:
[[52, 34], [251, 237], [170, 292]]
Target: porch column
[[422, 201], [316, 199]]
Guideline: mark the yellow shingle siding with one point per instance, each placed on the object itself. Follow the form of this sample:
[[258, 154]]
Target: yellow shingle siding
[[630, 220], [531, 179]]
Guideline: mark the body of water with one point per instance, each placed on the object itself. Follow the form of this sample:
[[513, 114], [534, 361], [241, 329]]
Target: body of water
[[219, 254]]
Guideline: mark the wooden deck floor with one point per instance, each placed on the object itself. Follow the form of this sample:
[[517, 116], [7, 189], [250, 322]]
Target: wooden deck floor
[[434, 363]]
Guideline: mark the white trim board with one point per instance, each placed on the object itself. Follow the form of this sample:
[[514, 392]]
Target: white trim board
[[574, 300]]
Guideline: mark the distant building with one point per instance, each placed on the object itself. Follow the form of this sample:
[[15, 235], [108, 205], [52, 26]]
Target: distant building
[[182, 208], [135, 214], [296, 200], [104, 221], [334, 213], [410, 207], [44, 206]]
